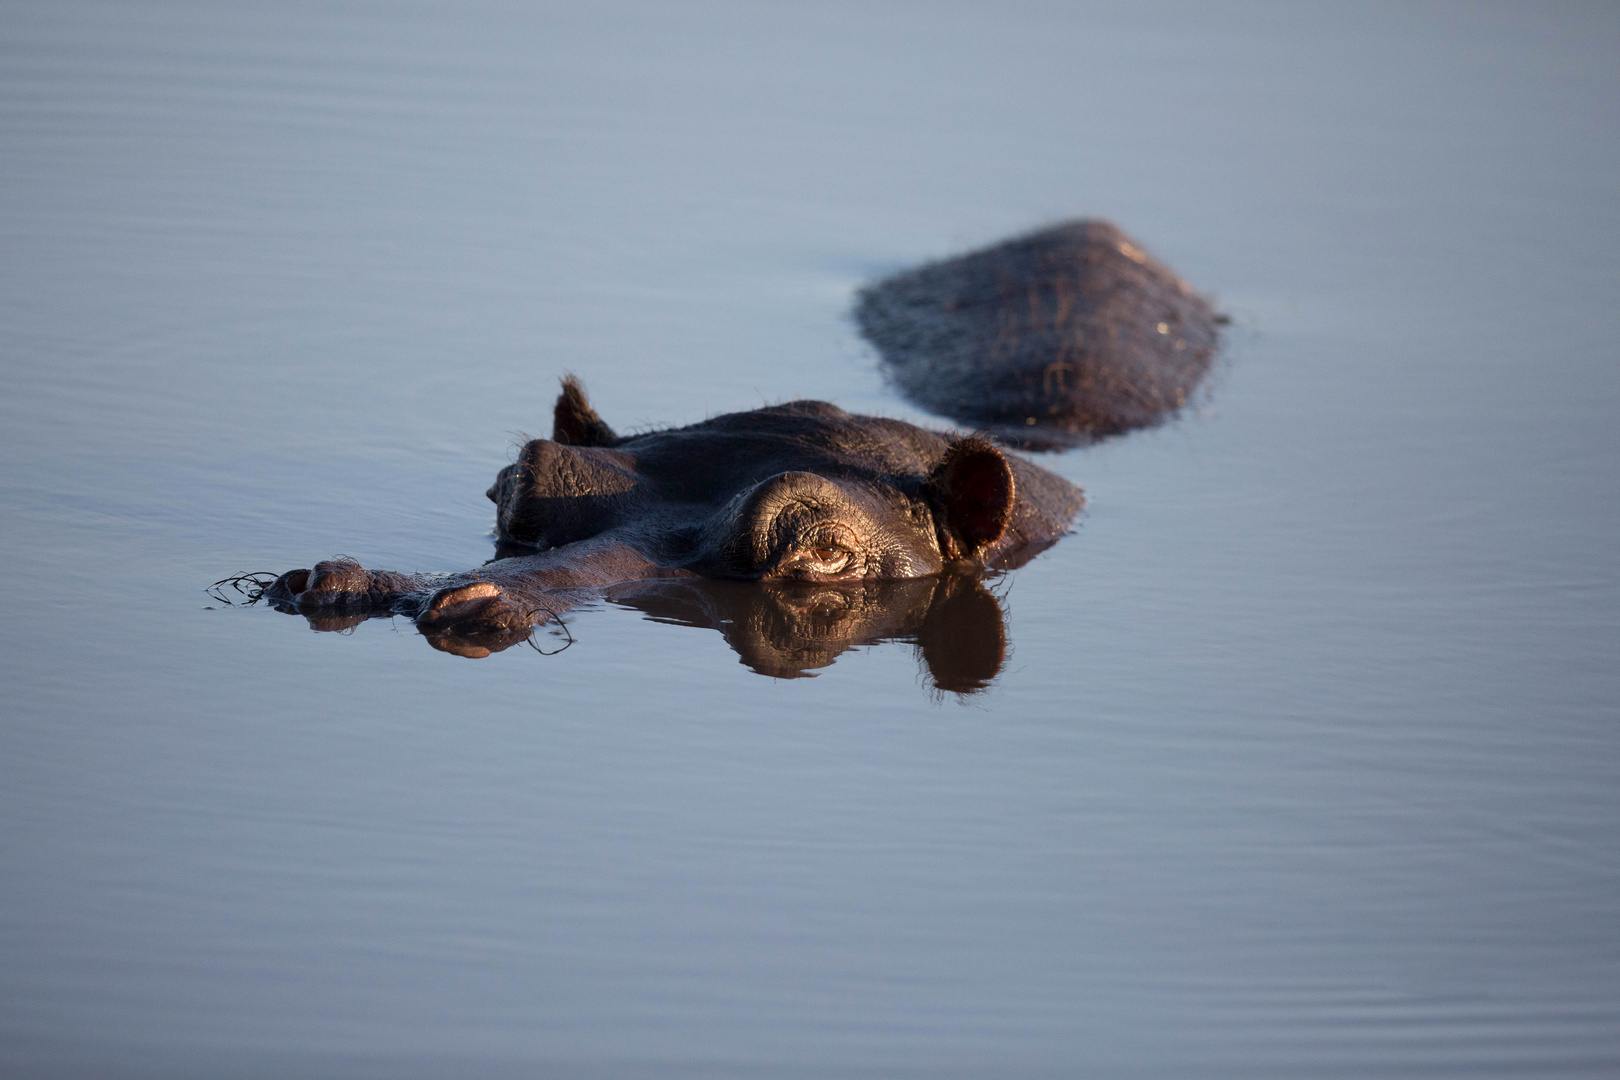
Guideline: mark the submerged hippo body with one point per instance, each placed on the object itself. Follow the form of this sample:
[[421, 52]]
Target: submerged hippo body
[[802, 494], [1058, 338]]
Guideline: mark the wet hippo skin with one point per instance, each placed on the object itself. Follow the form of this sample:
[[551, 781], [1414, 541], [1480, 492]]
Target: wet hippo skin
[[818, 504]]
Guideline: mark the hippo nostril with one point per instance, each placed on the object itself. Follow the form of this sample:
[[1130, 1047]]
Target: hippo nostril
[[289, 585]]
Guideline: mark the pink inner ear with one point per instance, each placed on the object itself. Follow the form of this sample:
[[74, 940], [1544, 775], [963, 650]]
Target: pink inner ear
[[976, 484]]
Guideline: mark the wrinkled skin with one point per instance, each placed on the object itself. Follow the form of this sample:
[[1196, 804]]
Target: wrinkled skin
[[796, 496]]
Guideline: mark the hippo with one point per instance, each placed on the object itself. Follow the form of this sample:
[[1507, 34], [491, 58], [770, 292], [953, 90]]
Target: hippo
[[816, 504], [801, 530], [1059, 338]]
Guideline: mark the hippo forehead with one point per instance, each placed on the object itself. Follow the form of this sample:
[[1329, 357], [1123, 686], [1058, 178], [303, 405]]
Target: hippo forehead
[[715, 459]]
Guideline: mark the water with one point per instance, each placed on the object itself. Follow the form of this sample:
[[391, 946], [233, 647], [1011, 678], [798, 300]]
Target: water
[[1303, 762]]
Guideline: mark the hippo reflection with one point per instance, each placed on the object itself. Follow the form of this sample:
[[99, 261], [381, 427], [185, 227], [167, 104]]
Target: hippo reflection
[[789, 629], [802, 495]]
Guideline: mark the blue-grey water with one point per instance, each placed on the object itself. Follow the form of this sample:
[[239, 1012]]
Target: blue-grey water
[[1306, 758]]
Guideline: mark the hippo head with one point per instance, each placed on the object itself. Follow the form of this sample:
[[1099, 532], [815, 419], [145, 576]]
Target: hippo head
[[803, 491], [854, 529]]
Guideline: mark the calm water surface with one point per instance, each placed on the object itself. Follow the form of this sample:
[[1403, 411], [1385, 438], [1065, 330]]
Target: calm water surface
[[1304, 761]]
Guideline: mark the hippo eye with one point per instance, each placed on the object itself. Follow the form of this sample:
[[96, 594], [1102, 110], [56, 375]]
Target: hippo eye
[[821, 561]]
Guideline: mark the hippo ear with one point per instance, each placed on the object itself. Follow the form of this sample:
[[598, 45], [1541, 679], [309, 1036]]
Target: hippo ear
[[973, 490], [576, 423]]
